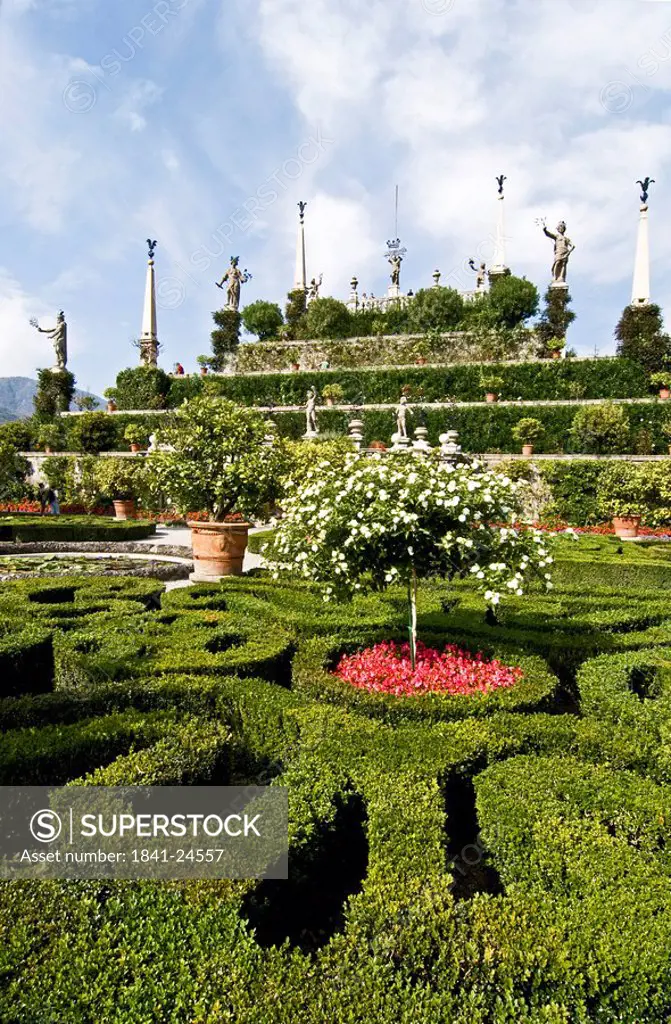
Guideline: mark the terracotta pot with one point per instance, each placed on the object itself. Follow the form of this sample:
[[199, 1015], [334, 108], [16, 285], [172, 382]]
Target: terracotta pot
[[124, 509], [556, 353], [626, 526], [203, 371], [295, 366], [48, 450], [421, 361], [378, 446], [329, 401], [664, 394], [528, 450], [111, 406], [136, 447], [491, 397], [218, 549]]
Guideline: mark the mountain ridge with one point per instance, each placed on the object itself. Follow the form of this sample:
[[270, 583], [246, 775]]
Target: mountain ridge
[[16, 398]]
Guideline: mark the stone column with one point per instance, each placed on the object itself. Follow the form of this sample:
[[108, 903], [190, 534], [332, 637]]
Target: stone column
[[499, 267], [641, 287], [301, 276], [149, 337]]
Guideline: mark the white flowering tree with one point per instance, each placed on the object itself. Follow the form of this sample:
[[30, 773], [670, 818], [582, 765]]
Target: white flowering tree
[[402, 518]]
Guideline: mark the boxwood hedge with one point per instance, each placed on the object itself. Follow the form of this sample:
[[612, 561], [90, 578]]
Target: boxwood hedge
[[509, 865]]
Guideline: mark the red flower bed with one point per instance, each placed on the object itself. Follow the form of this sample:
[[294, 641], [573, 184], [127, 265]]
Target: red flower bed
[[386, 668]]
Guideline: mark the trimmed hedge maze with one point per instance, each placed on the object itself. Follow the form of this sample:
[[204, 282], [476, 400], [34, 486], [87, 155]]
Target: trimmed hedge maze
[[453, 861]]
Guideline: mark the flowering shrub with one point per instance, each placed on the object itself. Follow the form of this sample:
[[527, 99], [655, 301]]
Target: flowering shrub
[[387, 668], [402, 517]]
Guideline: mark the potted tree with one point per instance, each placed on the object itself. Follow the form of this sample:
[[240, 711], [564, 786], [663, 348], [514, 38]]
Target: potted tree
[[621, 497], [662, 381], [528, 432], [110, 395], [332, 393], [122, 480], [219, 463], [491, 385], [204, 363], [137, 437], [49, 437]]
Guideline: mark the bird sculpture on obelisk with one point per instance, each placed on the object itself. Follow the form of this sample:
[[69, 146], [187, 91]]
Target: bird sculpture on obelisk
[[640, 293], [301, 274], [498, 267], [148, 343]]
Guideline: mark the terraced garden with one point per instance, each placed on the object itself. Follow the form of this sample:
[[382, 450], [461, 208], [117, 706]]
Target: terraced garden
[[497, 857]]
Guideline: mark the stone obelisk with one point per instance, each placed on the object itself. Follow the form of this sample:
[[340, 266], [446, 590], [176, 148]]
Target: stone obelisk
[[301, 276], [499, 267], [640, 295], [149, 337]]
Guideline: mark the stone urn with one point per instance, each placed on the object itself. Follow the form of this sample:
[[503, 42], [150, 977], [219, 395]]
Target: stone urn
[[665, 394], [124, 508], [527, 450], [218, 549], [626, 527], [491, 396]]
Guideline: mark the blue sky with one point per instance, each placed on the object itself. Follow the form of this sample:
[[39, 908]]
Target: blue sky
[[202, 124]]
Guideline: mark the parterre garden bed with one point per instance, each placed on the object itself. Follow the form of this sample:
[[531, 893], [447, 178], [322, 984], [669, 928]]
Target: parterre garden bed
[[26, 528], [454, 860]]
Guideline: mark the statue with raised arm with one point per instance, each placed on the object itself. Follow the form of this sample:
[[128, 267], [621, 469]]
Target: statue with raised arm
[[235, 278], [313, 288], [481, 274], [563, 249], [395, 261], [59, 339]]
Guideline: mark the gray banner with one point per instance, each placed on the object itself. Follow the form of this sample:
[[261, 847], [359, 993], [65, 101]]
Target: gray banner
[[153, 832]]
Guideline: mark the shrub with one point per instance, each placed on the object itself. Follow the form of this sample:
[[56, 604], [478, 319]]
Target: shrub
[[514, 300], [436, 309], [225, 337], [220, 462], [528, 430], [491, 383], [600, 429], [136, 433], [50, 435], [327, 318], [295, 314], [662, 379], [640, 336], [93, 432], [13, 471], [141, 387], [334, 392], [554, 322], [263, 319], [54, 393]]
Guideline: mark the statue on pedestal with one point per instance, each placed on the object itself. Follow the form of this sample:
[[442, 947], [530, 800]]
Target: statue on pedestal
[[481, 273], [402, 411], [59, 339], [311, 414], [563, 249], [235, 278]]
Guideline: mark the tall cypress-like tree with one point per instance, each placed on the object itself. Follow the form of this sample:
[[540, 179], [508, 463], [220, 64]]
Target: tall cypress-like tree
[[55, 389], [225, 337], [640, 336], [555, 320]]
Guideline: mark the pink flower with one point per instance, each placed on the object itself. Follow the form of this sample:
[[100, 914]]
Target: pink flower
[[386, 668]]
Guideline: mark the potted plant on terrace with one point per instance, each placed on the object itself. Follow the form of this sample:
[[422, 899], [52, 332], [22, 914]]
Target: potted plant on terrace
[[491, 385], [528, 432], [662, 381], [332, 394], [49, 437], [110, 395], [123, 481], [621, 497], [218, 463], [137, 437]]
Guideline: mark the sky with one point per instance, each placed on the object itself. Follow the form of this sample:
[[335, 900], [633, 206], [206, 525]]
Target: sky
[[202, 123]]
